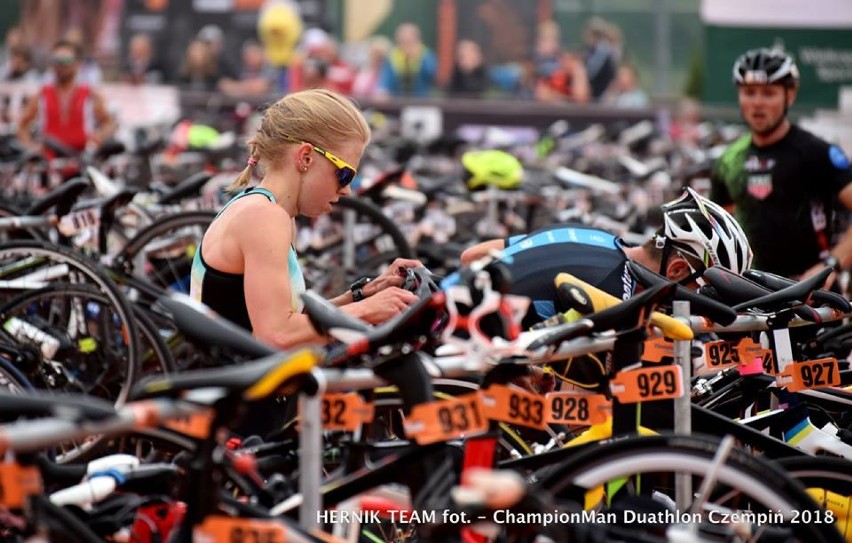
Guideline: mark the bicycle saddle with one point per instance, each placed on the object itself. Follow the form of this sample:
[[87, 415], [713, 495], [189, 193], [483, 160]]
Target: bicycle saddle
[[418, 319], [742, 294], [62, 197], [198, 324], [629, 314], [188, 187], [698, 304], [325, 316], [820, 296], [255, 380], [108, 203]]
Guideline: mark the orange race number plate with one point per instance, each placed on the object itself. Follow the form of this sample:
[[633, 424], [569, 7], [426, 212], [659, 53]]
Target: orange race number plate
[[17, 482], [657, 348], [505, 404], [220, 529], [577, 409], [196, 425], [647, 384], [345, 412], [824, 372], [446, 419]]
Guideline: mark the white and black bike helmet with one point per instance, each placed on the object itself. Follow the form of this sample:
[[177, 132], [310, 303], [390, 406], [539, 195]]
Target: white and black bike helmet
[[766, 67], [698, 227]]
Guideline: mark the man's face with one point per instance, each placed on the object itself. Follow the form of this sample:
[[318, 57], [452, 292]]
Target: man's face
[[764, 106], [65, 64]]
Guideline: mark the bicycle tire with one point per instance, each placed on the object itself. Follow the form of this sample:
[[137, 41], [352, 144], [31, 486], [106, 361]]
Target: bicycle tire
[[764, 483], [20, 259], [824, 473], [129, 258], [383, 242], [833, 474], [11, 380]]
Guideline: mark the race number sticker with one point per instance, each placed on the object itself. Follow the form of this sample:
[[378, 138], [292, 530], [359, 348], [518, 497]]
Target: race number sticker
[[577, 409], [505, 404], [17, 483], [195, 425], [720, 354], [647, 384], [820, 373], [344, 412], [220, 529], [446, 419]]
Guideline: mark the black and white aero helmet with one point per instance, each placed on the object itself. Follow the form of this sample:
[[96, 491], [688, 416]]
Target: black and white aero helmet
[[698, 227], [766, 67]]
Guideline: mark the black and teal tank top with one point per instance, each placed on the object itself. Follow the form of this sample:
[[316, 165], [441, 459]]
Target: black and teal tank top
[[224, 292]]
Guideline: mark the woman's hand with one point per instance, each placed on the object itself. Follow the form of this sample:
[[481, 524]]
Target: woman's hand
[[392, 277], [385, 304]]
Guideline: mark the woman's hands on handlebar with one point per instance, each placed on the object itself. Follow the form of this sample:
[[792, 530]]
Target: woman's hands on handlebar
[[384, 296]]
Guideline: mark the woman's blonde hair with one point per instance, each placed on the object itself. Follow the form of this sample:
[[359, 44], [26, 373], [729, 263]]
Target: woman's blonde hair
[[318, 116]]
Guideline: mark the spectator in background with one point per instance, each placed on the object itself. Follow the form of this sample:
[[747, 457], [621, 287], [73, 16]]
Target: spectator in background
[[411, 67], [685, 128], [624, 91], [67, 110], [257, 77], [279, 28], [19, 67], [366, 83], [198, 70], [616, 40], [470, 76], [14, 40], [547, 50], [212, 36], [568, 83], [600, 57], [141, 67], [319, 65]]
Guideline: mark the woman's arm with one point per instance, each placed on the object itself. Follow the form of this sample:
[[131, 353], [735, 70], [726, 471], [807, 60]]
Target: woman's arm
[[267, 283]]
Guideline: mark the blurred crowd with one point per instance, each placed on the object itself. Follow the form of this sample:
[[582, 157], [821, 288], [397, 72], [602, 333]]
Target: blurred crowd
[[283, 58]]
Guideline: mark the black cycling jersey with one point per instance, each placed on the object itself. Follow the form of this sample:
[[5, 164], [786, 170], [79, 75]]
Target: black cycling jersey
[[785, 196], [534, 260]]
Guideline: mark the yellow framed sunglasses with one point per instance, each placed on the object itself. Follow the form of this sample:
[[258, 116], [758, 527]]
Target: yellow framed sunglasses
[[345, 173]]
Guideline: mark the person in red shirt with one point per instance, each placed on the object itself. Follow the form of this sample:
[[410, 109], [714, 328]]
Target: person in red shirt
[[567, 83], [65, 110]]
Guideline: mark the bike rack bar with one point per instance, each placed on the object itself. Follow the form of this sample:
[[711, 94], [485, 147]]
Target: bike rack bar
[[310, 453], [683, 405]]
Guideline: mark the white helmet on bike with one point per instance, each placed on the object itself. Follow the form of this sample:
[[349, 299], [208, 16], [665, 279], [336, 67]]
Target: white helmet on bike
[[698, 227]]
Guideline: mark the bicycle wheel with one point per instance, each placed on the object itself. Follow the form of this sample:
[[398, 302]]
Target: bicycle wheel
[[11, 380], [163, 251], [105, 333], [354, 240], [743, 483], [822, 475]]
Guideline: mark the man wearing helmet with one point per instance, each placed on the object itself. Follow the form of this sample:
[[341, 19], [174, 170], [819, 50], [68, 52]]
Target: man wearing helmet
[[783, 181], [696, 234]]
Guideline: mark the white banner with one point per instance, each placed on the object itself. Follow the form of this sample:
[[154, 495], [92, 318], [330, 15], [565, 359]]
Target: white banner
[[778, 13]]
